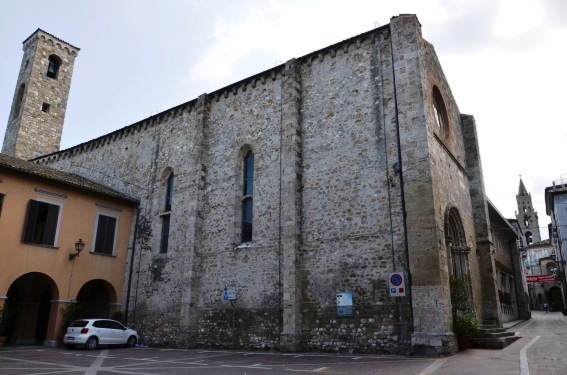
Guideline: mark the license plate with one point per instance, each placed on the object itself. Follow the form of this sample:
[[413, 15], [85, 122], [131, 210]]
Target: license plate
[[70, 338]]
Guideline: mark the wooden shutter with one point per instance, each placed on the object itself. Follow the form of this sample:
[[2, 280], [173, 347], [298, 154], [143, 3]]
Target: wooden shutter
[[106, 230], [31, 218], [51, 225]]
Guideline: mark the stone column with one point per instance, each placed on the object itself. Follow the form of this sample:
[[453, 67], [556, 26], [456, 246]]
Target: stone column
[[53, 334], [199, 157], [490, 305], [290, 210]]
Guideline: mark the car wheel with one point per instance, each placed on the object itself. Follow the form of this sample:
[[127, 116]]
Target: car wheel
[[131, 341], [92, 343], [70, 346]]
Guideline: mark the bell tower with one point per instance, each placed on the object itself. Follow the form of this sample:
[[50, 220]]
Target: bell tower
[[526, 216], [38, 109]]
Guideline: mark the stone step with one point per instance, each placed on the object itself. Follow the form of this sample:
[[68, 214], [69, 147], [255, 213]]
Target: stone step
[[492, 329], [486, 335], [491, 337], [493, 343]]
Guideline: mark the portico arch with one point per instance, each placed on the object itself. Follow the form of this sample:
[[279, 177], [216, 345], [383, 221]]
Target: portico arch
[[31, 296], [97, 299]]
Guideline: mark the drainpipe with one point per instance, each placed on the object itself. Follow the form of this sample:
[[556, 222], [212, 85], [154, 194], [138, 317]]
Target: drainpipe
[[399, 169], [129, 286]]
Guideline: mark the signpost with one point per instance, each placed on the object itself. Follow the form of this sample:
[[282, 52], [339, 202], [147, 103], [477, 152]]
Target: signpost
[[397, 284], [344, 304], [229, 293]]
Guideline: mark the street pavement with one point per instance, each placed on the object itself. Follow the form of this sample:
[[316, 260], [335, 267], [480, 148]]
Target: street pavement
[[541, 350]]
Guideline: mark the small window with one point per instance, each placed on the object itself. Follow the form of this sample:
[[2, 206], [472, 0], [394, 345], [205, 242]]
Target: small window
[[100, 324], [19, 100], [41, 223], [440, 112], [529, 238], [169, 193], [2, 196], [45, 107], [53, 66], [247, 198], [79, 323], [165, 220], [105, 235]]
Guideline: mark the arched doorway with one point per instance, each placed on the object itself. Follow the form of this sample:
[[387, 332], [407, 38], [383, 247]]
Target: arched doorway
[[555, 299], [458, 264], [457, 249], [97, 299], [30, 296]]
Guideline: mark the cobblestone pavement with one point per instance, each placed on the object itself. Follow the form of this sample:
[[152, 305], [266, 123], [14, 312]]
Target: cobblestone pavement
[[541, 350]]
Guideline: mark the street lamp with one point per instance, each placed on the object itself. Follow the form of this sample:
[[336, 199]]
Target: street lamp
[[79, 246]]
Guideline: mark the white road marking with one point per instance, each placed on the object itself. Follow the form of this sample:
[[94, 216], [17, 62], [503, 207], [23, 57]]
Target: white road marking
[[96, 365], [524, 367], [254, 367], [433, 367]]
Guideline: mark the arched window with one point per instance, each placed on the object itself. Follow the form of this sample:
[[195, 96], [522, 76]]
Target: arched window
[[169, 192], [440, 112], [53, 66], [247, 198], [19, 100], [166, 215], [529, 238]]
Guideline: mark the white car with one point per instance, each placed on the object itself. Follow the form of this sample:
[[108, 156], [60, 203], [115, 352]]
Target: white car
[[94, 332]]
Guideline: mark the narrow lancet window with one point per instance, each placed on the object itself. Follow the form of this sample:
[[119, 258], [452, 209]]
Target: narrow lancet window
[[247, 197]]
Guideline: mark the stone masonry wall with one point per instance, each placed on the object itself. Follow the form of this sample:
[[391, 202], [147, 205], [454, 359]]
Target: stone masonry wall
[[31, 131], [344, 150]]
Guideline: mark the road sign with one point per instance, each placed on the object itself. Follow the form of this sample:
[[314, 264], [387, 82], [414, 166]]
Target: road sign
[[344, 304], [397, 284], [229, 293]]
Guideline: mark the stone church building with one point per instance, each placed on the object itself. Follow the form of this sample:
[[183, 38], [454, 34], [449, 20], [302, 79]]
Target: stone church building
[[279, 212]]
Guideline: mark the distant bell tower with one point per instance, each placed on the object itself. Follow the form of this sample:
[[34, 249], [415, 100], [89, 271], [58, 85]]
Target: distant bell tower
[[526, 216], [36, 119]]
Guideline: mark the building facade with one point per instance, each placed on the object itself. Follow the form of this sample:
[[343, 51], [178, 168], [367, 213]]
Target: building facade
[[512, 293], [45, 216], [323, 204], [555, 203]]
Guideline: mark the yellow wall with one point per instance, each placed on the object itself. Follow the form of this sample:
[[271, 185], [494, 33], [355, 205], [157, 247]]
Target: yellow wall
[[78, 215]]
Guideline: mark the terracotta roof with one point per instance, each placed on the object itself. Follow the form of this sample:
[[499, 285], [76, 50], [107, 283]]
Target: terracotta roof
[[65, 178]]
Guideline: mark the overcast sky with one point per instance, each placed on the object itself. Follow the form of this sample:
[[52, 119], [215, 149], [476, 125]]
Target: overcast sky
[[504, 60]]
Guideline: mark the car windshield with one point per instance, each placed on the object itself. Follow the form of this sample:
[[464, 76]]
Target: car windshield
[[79, 323]]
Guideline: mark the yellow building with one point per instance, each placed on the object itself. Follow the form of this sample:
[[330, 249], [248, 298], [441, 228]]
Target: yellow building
[[46, 216]]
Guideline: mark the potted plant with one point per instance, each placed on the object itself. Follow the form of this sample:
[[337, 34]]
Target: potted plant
[[465, 322], [466, 325], [6, 315], [70, 313]]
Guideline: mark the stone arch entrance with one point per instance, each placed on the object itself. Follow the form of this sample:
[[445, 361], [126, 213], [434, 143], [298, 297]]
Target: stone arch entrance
[[97, 299], [555, 299], [31, 295], [457, 249]]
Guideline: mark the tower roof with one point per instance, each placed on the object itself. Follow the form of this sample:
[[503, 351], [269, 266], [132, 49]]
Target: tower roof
[[522, 190], [50, 35]]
